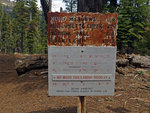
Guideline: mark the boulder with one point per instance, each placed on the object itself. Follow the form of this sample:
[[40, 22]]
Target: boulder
[[140, 61]]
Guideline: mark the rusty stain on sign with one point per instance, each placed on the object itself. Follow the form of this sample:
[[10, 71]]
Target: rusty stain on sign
[[82, 29], [82, 53]]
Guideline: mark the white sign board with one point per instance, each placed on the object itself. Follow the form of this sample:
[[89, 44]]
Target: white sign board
[[81, 71]]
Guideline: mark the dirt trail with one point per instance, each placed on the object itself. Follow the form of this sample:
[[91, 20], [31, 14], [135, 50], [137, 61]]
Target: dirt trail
[[28, 93]]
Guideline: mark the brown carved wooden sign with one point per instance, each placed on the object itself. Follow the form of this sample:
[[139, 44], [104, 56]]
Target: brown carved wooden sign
[[82, 29]]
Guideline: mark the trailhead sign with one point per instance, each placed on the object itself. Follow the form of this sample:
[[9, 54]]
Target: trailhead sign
[[81, 53]]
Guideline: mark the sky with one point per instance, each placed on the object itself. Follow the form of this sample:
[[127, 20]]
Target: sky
[[56, 4]]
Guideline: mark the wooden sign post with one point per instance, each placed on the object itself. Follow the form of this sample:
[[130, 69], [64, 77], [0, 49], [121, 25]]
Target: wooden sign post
[[81, 108], [82, 55]]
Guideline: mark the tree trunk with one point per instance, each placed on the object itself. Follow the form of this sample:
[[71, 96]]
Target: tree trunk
[[91, 5], [45, 8], [82, 6]]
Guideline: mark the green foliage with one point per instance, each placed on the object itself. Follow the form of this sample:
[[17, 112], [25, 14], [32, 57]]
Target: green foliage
[[148, 85], [0, 9], [0, 19], [133, 25], [34, 12], [6, 33], [143, 45], [31, 34], [71, 5], [26, 28], [32, 30], [133, 15], [111, 6], [139, 73], [40, 32], [124, 26], [43, 33], [25, 31], [20, 22], [109, 99]]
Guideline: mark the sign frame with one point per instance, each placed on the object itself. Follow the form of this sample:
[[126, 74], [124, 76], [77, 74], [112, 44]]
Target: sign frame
[[60, 37]]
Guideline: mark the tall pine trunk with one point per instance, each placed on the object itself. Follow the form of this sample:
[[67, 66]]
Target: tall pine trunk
[[91, 5]]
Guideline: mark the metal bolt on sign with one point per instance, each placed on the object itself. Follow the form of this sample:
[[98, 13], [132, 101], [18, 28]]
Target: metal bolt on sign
[[82, 54]]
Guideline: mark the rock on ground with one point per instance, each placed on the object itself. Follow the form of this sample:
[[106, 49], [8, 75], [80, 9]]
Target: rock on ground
[[140, 61]]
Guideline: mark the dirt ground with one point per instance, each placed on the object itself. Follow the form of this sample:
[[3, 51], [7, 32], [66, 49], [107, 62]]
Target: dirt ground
[[28, 93]]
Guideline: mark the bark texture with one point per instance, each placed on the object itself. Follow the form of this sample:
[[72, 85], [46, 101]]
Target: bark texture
[[45, 8], [91, 5], [27, 63]]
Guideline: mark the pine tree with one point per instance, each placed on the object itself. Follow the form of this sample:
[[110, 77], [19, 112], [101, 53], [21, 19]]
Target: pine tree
[[33, 37], [110, 6], [31, 34], [0, 7], [124, 25], [132, 23], [142, 45], [34, 11], [43, 34], [6, 33], [113, 5], [71, 5], [0, 22], [19, 23]]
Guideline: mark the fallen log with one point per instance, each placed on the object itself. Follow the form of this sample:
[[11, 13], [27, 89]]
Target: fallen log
[[24, 64], [139, 61], [122, 62]]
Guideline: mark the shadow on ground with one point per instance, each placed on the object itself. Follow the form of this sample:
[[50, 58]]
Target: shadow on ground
[[61, 110], [31, 82], [118, 110]]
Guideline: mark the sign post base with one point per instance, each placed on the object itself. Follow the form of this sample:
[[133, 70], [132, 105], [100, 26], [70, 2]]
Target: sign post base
[[81, 104]]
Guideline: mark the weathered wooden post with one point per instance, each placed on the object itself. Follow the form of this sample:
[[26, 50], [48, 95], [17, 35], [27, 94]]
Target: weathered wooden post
[[81, 108], [82, 55]]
